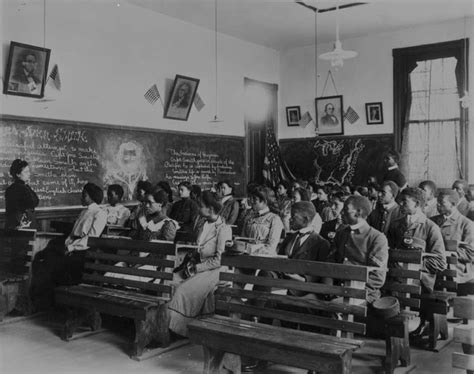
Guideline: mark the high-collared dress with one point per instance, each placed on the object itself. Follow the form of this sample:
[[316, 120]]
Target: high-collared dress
[[400, 236], [459, 228], [265, 227], [193, 297]]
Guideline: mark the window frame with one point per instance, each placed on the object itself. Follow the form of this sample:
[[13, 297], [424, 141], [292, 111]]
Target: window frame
[[405, 57]]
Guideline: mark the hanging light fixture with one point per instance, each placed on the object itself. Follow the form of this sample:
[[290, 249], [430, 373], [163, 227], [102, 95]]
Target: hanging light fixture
[[338, 55], [465, 98], [216, 119]]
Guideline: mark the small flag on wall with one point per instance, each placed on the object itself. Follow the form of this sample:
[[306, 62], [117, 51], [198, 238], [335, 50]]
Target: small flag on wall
[[198, 103], [54, 76], [351, 115], [152, 95], [305, 120]]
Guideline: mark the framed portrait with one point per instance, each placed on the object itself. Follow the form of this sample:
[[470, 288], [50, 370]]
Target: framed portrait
[[329, 117], [374, 113], [181, 98], [27, 70], [293, 115]]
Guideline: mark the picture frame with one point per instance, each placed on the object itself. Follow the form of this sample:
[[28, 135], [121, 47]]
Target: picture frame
[[374, 113], [329, 115], [27, 70], [293, 115], [181, 98]]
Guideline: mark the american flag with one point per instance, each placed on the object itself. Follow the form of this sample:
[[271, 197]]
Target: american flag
[[152, 95], [351, 115], [198, 103], [274, 167], [54, 76], [305, 120]]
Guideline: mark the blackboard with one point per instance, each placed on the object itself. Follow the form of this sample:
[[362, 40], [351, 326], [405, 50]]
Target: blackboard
[[337, 159], [65, 155]]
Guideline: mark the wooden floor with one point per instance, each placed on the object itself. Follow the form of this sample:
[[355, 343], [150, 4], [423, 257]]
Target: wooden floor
[[33, 346]]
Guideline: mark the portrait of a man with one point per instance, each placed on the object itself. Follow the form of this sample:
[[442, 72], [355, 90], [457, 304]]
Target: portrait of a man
[[329, 115], [293, 115], [26, 70], [181, 98], [374, 113]]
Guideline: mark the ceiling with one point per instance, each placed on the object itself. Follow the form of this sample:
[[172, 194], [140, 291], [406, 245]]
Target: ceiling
[[283, 24]]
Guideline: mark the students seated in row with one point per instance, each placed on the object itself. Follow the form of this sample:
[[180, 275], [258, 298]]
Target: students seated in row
[[165, 186], [284, 204], [143, 188], [455, 227], [322, 192], [185, 210], [301, 194], [193, 297], [360, 244], [387, 209], [329, 228], [117, 214], [373, 189], [461, 187], [261, 224], [230, 206], [431, 206], [415, 231], [393, 173]]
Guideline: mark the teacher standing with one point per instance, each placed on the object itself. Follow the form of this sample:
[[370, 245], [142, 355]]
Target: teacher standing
[[20, 199]]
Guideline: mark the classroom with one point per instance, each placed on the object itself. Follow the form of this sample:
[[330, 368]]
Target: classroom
[[236, 186]]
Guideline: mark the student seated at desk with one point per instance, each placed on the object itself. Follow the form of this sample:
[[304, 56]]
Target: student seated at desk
[[461, 187], [200, 276], [455, 227], [430, 190], [117, 214], [301, 194], [230, 206], [156, 225], [143, 188], [284, 203], [414, 231], [185, 210], [62, 263], [387, 209], [261, 224], [360, 244], [329, 228]]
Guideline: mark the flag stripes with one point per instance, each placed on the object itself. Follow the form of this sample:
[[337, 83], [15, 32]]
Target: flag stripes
[[54, 76], [351, 115], [152, 95], [274, 168]]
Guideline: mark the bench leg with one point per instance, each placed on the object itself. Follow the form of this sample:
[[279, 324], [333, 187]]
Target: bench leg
[[154, 326], [232, 363], [397, 344], [213, 360], [438, 328], [77, 318]]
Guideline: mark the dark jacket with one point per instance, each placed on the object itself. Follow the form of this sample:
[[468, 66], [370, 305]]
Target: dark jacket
[[230, 211], [380, 218], [185, 212], [20, 204], [395, 175], [329, 229], [367, 247]]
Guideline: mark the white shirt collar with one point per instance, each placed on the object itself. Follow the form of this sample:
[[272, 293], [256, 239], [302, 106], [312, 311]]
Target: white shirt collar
[[393, 167], [263, 211], [357, 226], [93, 206], [389, 206], [225, 198], [306, 230]]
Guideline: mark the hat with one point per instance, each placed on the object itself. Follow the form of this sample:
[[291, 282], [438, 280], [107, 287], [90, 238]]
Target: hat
[[94, 192], [414, 243], [386, 307]]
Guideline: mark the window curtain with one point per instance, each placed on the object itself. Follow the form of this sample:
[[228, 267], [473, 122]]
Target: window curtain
[[431, 147]]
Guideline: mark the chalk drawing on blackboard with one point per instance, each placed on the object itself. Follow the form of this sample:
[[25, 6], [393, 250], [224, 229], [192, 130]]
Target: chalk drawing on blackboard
[[126, 167], [342, 158]]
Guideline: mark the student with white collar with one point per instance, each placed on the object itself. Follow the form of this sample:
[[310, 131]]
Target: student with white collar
[[430, 190], [455, 227], [230, 206], [360, 244], [387, 210], [263, 226], [415, 231]]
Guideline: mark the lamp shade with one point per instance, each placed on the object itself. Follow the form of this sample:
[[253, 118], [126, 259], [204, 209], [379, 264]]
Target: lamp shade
[[337, 55]]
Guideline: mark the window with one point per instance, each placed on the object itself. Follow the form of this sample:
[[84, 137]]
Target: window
[[429, 121]]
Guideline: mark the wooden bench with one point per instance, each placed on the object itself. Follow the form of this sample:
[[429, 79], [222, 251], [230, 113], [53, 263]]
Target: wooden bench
[[220, 334], [142, 295], [16, 250], [403, 282], [464, 334]]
